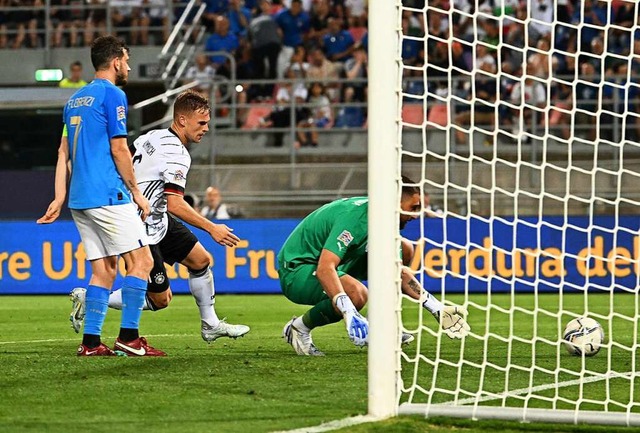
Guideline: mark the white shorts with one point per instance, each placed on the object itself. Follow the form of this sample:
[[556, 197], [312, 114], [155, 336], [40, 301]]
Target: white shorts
[[110, 230]]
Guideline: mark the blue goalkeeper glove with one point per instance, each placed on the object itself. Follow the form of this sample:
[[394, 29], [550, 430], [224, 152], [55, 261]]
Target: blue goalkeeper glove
[[357, 328]]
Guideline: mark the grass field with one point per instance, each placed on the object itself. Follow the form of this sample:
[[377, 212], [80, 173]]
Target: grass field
[[253, 384]]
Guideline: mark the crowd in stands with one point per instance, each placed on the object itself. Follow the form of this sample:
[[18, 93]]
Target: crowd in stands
[[501, 52]]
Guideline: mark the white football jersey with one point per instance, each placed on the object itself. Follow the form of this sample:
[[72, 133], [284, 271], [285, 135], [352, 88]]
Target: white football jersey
[[161, 164]]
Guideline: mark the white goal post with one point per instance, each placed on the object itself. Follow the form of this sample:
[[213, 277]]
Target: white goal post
[[529, 146]]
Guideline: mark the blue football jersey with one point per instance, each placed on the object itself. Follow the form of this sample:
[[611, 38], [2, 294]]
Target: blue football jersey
[[93, 116]]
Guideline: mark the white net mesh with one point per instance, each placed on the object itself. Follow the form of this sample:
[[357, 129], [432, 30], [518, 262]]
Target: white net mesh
[[519, 120]]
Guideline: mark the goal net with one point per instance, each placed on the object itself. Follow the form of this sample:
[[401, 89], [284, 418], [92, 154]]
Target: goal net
[[519, 119]]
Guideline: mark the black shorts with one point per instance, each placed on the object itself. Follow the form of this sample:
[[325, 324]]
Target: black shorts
[[174, 247]]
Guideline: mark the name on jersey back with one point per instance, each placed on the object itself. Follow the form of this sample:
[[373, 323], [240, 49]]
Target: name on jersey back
[[84, 101]]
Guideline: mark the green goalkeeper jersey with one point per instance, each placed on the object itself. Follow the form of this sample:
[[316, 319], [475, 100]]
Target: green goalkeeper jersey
[[340, 227]]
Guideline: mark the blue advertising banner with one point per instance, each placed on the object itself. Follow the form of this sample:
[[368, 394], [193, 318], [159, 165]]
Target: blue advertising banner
[[460, 254], [39, 259], [575, 253]]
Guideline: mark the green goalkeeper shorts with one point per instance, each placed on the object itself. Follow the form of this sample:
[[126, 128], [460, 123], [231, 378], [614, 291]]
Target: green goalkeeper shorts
[[300, 284]]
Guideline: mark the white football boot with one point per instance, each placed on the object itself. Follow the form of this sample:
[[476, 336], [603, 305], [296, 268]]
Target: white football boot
[[78, 308], [300, 341], [224, 329]]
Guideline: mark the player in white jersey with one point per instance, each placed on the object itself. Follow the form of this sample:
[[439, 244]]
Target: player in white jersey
[[161, 163]]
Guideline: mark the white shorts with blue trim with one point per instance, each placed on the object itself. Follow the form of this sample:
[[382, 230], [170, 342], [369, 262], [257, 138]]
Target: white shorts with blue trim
[[110, 230]]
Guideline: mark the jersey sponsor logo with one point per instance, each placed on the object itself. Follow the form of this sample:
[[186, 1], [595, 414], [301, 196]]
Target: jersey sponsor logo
[[148, 148], [346, 238], [84, 101], [122, 114]]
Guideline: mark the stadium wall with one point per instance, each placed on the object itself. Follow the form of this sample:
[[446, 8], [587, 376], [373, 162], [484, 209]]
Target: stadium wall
[[49, 259]]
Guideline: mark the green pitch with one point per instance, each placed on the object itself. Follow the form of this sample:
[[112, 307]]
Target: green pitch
[[253, 384]]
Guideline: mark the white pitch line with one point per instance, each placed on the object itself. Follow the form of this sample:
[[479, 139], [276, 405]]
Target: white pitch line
[[521, 391], [334, 425], [56, 340]]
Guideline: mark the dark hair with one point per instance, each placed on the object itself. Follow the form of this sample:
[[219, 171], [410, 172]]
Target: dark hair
[[190, 101], [76, 63], [106, 48], [409, 187]]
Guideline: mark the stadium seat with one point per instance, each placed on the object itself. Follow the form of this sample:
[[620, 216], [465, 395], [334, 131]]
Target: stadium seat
[[254, 116], [412, 113], [438, 115], [357, 33]]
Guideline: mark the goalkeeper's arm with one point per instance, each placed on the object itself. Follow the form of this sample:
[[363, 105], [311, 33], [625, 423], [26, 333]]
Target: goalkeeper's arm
[[452, 318]]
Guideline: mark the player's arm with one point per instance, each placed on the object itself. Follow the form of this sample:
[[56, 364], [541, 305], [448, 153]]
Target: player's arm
[[61, 176], [122, 158], [452, 318], [327, 274], [219, 232]]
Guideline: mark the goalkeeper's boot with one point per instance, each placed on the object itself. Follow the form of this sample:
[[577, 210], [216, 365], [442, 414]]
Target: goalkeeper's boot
[[224, 329], [407, 338], [300, 341], [76, 317], [101, 350]]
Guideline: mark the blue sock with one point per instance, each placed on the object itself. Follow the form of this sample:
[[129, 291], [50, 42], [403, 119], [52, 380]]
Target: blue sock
[[97, 304], [134, 290]]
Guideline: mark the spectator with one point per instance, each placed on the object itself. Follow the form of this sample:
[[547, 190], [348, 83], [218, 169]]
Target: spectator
[[281, 116], [127, 15], [529, 95], [63, 20], [24, 21], [321, 116], [321, 69], [356, 68], [298, 68], [96, 21], [356, 12], [337, 43], [75, 80], [203, 72], [193, 201], [222, 40], [239, 18], [294, 24], [320, 16], [213, 10], [214, 209], [306, 4], [3, 24], [542, 18], [539, 63], [482, 109], [590, 21], [265, 45], [156, 15]]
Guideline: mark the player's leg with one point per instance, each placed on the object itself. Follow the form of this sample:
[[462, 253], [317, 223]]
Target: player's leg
[[158, 294], [122, 233], [301, 286], [202, 288], [181, 245], [103, 273]]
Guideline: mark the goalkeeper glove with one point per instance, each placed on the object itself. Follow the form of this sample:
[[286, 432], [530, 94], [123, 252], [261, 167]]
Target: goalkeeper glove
[[357, 328], [452, 321]]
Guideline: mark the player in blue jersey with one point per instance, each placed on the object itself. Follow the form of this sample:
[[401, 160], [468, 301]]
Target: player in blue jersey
[[101, 190]]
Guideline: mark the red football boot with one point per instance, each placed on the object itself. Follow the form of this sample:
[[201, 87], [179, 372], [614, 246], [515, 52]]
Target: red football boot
[[101, 350], [137, 347]]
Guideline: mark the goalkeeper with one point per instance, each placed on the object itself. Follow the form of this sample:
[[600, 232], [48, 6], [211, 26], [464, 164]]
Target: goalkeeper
[[323, 263]]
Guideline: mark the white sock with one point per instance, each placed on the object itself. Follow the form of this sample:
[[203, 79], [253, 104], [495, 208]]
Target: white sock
[[432, 304], [115, 301], [298, 323], [203, 291]]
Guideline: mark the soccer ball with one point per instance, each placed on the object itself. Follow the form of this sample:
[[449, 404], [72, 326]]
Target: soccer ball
[[583, 336]]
